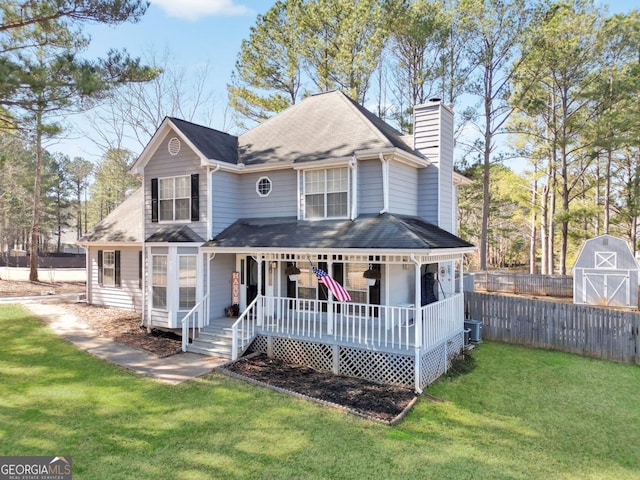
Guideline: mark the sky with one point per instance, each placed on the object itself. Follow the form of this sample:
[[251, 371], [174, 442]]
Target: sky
[[195, 32]]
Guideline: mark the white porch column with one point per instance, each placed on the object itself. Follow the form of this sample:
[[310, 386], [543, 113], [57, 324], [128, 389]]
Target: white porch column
[[418, 304], [259, 293]]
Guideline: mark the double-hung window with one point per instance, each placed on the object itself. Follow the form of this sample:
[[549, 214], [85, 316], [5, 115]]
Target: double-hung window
[[174, 198], [326, 193], [187, 271], [109, 268], [159, 281]]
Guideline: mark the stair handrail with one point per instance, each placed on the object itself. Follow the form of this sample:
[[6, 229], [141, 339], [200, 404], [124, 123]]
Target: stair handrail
[[202, 307], [248, 330]]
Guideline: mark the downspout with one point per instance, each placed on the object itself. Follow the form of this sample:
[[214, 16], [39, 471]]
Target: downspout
[[206, 289], [385, 183], [353, 164], [210, 202]]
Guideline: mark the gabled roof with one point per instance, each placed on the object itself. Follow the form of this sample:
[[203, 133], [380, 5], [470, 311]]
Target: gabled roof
[[367, 232], [323, 126], [213, 144], [207, 143], [122, 225]]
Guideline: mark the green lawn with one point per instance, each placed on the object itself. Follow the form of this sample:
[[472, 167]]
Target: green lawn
[[520, 414]]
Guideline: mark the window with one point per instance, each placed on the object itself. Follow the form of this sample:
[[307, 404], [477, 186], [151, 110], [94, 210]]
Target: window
[[159, 281], [606, 260], [109, 268], [187, 281], [355, 282], [263, 186], [326, 193], [174, 198], [307, 283]]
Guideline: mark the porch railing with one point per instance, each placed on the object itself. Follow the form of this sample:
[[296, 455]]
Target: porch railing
[[194, 320], [442, 319], [244, 329], [363, 324]]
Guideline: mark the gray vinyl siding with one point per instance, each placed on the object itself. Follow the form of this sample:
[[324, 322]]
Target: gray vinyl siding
[[128, 295], [281, 202], [433, 132], [446, 172], [225, 200], [428, 194], [370, 198], [220, 287], [163, 165], [403, 189]]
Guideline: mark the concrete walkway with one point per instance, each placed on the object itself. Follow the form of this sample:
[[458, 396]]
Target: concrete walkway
[[173, 369]]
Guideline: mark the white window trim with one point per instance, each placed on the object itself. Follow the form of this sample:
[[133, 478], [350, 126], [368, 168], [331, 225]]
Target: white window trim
[[152, 284], [173, 199], [303, 197], [260, 194], [112, 282], [177, 280], [606, 260]]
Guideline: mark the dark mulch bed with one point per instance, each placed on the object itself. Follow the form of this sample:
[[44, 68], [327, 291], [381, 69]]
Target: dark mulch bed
[[379, 402]]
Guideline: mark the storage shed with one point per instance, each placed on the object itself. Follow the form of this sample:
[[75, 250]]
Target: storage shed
[[606, 273]]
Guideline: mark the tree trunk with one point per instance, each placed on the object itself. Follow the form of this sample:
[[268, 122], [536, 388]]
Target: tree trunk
[[486, 178], [35, 223], [607, 192], [551, 229], [532, 243], [544, 232]]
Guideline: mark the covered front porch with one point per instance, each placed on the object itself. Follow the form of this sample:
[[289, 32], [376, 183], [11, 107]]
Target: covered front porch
[[392, 337]]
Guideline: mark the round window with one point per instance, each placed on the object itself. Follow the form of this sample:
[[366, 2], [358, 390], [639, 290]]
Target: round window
[[263, 186]]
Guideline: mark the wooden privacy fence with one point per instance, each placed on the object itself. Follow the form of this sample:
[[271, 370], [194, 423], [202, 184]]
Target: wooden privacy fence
[[591, 331], [524, 284]]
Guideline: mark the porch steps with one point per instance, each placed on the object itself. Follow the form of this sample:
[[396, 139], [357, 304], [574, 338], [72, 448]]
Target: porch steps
[[214, 340]]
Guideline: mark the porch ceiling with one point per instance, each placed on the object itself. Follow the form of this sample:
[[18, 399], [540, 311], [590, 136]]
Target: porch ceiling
[[382, 233]]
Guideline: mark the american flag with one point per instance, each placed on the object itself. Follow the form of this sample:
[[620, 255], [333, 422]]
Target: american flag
[[334, 287]]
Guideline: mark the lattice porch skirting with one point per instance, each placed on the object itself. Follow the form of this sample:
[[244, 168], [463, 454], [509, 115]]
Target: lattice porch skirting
[[388, 368]]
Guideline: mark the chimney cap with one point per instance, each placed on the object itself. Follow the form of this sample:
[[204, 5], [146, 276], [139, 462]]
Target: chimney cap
[[435, 99]]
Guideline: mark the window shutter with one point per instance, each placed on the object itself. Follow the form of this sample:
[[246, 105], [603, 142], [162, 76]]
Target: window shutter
[[117, 267], [195, 197], [154, 199], [140, 269], [99, 267]]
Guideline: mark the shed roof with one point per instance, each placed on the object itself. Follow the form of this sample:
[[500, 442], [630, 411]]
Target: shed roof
[[173, 234], [596, 253]]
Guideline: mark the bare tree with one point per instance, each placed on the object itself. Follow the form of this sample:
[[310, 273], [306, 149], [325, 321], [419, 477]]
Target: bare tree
[[129, 117]]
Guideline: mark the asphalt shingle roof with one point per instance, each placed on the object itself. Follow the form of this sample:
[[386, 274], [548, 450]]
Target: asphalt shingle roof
[[385, 231], [174, 234], [327, 125], [122, 225], [213, 144]]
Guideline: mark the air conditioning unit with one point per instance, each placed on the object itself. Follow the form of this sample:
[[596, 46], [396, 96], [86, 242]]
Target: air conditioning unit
[[475, 327]]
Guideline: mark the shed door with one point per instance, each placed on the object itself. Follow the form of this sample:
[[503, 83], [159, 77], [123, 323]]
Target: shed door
[[611, 288]]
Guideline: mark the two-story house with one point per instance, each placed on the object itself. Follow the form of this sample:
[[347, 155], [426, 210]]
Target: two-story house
[[243, 219]]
